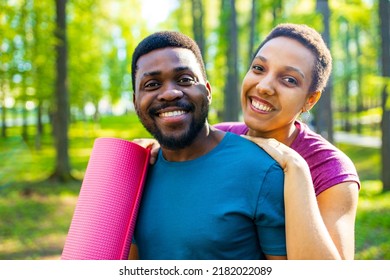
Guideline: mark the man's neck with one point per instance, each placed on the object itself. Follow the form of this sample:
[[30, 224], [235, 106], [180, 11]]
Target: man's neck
[[207, 139]]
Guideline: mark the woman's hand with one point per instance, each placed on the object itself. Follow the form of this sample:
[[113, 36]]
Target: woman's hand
[[284, 155], [149, 143]]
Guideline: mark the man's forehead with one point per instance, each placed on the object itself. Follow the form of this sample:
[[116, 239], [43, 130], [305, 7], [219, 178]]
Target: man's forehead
[[167, 56]]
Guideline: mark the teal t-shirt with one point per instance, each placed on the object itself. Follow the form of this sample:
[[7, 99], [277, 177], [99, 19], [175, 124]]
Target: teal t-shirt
[[227, 204]]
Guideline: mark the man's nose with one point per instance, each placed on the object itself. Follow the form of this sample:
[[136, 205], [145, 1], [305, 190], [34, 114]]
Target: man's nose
[[170, 92]]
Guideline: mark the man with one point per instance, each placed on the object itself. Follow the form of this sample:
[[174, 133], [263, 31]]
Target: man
[[210, 194]]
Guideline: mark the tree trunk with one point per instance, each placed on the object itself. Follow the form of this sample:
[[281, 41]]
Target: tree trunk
[[253, 30], [276, 11], [39, 126], [324, 113], [197, 24], [24, 132], [359, 96], [232, 100], [61, 115], [384, 15], [347, 80], [3, 110]]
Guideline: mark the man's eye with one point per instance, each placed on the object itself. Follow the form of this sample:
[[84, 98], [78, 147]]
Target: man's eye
[[186, 81], [151, 85]]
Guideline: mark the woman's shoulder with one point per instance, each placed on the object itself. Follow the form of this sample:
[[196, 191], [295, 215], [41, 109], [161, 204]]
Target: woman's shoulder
[[328, 164], [310, 141], [239, 128]]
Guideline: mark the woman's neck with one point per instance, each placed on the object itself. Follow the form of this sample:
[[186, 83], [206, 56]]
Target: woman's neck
[[286, 135]]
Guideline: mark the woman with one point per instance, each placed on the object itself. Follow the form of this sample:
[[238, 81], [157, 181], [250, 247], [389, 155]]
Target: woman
[[288, 73]]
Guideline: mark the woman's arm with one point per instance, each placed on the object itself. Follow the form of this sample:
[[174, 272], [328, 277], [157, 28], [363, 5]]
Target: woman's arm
[[307, 235], [338, 206]]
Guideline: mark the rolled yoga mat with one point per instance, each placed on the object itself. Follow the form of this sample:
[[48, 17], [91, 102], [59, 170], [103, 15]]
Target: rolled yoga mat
[[103, 222]]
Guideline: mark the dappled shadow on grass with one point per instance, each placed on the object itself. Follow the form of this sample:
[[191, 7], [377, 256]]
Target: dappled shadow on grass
[[53, 253], [372, 235], [373, 223], [44, 187], [36, 219]]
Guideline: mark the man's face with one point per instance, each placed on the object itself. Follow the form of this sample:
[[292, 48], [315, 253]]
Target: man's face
[[171, 96]]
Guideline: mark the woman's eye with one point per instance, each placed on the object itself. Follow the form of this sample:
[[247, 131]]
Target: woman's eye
[[258, 68], [291, 80]]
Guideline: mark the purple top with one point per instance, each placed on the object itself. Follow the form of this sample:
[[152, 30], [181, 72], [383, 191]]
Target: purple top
[[328, 165]]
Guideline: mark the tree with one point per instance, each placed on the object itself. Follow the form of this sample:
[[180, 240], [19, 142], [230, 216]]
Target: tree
[[384, 15], [197, 24], [7, 13], [359, 75], [42, 62], [61, 114], [253, 33], [231, 97], [324, 118], [347, 75]]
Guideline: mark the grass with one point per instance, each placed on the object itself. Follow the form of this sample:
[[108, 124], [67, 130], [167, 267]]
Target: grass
[[35, 214], [373, 223]]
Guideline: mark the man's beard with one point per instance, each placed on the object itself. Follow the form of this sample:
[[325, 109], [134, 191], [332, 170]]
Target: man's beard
[[187, 137]]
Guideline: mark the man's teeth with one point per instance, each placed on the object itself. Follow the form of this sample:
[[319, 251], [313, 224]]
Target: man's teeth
[[261, 106], [172, 113]]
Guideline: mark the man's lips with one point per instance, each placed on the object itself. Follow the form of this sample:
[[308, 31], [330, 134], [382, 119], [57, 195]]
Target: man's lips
[[174, 113], [171, 110]]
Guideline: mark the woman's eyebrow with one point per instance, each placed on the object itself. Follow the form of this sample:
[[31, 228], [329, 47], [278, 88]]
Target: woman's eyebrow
[[292, 68], [289, 68]]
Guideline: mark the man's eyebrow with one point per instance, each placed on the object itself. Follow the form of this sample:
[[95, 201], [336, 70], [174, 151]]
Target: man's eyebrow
[[152, 73], [290, 68], [156, 73], [181, 68]]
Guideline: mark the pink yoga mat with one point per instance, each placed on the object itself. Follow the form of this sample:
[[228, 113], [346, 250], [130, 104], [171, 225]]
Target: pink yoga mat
[[105, 215]]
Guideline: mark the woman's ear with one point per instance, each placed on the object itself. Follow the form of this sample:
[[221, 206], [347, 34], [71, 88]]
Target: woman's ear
[[311, 100]]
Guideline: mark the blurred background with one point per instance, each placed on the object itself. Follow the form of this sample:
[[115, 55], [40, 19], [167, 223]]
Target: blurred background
[[65, 79]]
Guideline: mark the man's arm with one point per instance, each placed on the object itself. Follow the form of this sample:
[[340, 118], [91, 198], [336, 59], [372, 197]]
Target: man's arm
[[133, 255]]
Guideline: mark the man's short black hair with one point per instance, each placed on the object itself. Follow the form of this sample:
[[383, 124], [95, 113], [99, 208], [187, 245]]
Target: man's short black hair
[[313, 41], [161, 40]]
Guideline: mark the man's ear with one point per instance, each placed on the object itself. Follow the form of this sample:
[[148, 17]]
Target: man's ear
[[312, 100], [134, 103], [209, 95]]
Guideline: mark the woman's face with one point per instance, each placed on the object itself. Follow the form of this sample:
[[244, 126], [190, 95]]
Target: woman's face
[[275, 90]]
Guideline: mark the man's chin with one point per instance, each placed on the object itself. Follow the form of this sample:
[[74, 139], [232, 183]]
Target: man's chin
[[174, 144]]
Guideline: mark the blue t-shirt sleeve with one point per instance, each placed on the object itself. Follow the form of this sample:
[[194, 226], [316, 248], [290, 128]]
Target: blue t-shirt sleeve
[[270, 214]]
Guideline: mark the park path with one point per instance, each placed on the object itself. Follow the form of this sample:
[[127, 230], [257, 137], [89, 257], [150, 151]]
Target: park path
[[358, 140]]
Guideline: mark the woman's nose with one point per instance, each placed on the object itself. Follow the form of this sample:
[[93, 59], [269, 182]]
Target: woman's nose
[[266, 86]]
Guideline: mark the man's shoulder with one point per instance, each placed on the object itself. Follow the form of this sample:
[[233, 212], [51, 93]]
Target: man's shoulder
[[244, 148]]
